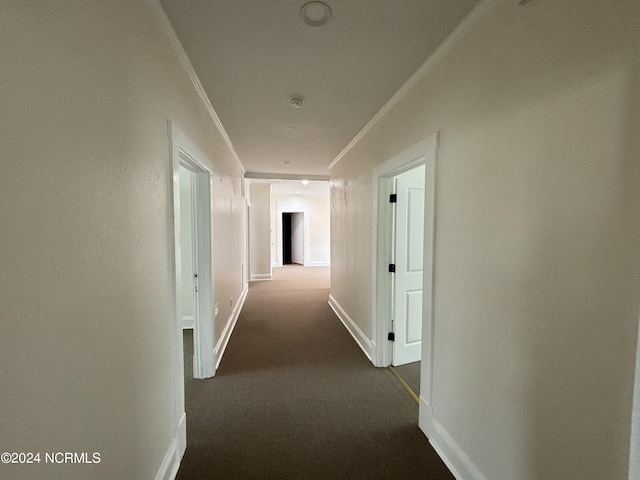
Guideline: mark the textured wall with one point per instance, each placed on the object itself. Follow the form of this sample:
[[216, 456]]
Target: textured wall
[[536, 284], [85, 272], [260, 229]]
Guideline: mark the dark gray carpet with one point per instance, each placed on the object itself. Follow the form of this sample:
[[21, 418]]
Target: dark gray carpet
[[295, 398], [410, 373], [187, 345]]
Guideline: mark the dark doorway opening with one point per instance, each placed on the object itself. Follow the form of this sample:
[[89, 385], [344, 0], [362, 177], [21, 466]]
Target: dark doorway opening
[[286, 238], [292, 238]]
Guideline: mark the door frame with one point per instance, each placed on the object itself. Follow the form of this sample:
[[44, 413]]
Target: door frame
[[184, 152], [288, 206], [423, 152]]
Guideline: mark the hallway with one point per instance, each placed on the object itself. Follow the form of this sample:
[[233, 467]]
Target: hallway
[[295, 398]]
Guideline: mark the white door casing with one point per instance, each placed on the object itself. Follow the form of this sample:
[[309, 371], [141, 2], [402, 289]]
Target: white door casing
[[185, 153], [286, 206], [408, 259], [203, 318], [424, 152]]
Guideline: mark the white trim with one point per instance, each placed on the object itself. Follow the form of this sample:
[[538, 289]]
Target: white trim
[[170, 464], [167, 28], [184, 152], [178, 358], [292, 206], [423, 152], [425, 415], [319, 263], [381, 281], [429, 282], [300, 195], [286, 176], [257, 277], [407, 159], [221, 346], [187, 322], [204, 330], [456, 460], [181, 435], [367, 346], [461, 30]]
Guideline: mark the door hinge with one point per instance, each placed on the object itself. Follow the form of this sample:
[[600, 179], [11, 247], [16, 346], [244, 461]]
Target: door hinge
[[393, 198], [391, 337], [392, 268]]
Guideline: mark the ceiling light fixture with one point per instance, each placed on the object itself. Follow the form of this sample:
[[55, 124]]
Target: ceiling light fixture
[[315, 14], [305, 182]]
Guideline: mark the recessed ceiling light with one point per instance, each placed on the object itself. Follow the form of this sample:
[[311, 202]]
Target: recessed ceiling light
[[315, 14], [305, 182]]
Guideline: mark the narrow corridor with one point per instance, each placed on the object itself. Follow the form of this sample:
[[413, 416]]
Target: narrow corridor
[[295, 398]]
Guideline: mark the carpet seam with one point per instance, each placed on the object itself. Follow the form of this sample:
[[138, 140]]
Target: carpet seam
[[405, 384]]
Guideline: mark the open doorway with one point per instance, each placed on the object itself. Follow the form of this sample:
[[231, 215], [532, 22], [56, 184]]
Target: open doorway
[[404, 240], [293, 238], [188, 170], [296, 239]]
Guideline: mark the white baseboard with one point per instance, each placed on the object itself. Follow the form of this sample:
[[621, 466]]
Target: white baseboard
[[367, 346], [181, 434], [260, 276], [169, 466], [221, 346], [187, 322], [446, 447], [319, 263], [425, 414]]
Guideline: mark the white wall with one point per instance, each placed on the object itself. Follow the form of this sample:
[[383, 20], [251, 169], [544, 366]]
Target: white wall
[[85, 272], [186, 243], [319, 226], [260, 231], [536, 282]]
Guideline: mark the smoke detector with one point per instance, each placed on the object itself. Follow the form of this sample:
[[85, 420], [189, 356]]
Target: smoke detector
[[296, 102], [315, 14]]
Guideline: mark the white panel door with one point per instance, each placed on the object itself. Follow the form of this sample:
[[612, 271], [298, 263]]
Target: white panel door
[[297, 238], [409, 241]]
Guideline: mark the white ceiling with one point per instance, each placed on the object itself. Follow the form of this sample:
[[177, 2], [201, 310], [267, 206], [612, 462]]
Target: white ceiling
[[252, 55], [289, 187]]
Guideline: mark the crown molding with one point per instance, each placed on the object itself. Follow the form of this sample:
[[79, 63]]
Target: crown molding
[[454, 37], [170, 33], [285, 176]]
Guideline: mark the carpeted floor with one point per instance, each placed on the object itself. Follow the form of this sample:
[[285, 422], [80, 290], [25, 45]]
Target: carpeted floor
[[295, 398]]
